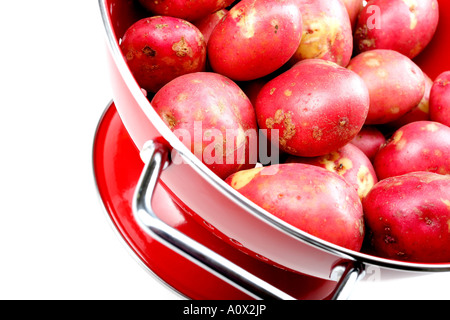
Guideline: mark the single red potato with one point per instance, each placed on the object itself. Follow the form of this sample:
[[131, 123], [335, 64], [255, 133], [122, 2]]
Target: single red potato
[[406, 26], [369, 140], [309, 198], [188, 10], [315, 107], [440, 99], [349, 162], [213, 117], [255, 38], [207, 24], [408, 217], [159, 49], [327, 32], [396, 84], [417, 146]]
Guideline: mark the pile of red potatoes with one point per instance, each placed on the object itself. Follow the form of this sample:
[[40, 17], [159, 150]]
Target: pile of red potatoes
[[360, 133]]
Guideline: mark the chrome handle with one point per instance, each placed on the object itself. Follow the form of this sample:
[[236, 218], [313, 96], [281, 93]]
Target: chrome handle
[[347, 275], [157, 158]]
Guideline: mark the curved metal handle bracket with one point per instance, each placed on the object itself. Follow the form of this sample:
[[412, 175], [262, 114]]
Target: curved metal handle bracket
[[347, 275], [155, 156]]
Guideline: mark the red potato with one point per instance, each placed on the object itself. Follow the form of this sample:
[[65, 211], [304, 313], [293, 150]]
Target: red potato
[[421, 112], [417, 146], [350, 163], [159, 49], [188, 10], [315, 107], [327, 32], [440, 99], [253, 87], [309, 198], [213, 117], [406, 26], [255, 38], [207, 24], [408, 217], [369, 140], [396, 84]]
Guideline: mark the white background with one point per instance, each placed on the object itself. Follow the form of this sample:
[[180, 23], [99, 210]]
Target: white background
[[55, 240]]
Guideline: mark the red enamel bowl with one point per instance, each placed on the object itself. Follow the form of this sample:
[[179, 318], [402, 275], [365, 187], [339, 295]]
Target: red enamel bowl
[[223, 211]]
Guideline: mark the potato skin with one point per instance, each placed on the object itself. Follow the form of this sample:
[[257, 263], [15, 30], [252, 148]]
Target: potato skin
[[369, 140], [310, 198], [396, 84], [440, 99], [417, 146], [327, 32], [208, 106], [421, 112], [353, 7], [187, 10], [255, 38], [207, 24], [253, 87], [408, 217], [404, 26], [316, 106], [159, 49], [349, 162]]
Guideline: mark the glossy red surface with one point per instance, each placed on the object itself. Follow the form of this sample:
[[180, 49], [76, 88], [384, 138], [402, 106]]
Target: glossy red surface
[[117, 167]]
